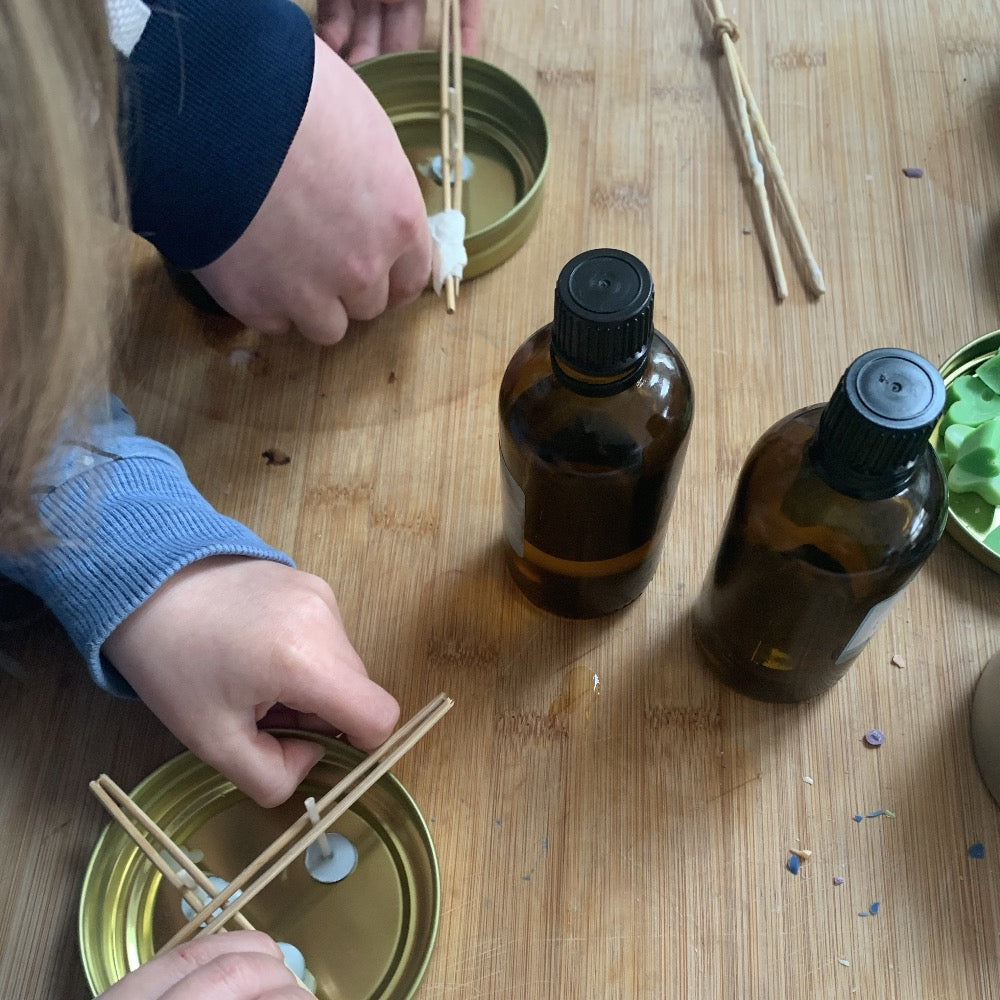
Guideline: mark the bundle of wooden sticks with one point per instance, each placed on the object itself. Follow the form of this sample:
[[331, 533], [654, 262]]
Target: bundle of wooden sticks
[[752, 131]]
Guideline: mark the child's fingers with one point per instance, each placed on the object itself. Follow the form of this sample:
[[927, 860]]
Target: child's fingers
[[237, 958]]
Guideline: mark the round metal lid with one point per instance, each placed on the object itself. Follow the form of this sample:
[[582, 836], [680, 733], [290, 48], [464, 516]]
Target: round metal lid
[[970, 518], [367, 936], [506, 146]]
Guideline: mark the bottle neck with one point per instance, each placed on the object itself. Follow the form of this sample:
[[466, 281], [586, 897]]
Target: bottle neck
[[587, 384], [840, 474]]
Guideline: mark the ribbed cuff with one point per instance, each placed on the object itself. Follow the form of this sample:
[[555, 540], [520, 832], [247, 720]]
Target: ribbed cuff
[[121, 531]]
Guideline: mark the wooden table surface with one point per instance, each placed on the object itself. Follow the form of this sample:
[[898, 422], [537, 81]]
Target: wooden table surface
[[610, 821]]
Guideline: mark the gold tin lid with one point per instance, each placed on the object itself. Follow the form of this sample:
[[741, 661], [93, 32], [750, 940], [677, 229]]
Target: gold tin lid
[[970, 517], [506, 146], [366, 937]]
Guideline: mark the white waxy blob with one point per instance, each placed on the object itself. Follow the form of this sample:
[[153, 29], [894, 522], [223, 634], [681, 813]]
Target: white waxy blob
[[338, 864], [218, 884]]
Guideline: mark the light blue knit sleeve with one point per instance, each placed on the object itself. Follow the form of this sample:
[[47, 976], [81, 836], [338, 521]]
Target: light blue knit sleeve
[[123, 518]]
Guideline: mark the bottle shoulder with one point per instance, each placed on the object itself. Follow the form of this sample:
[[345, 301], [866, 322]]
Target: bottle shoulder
[[783, 499], [531, 383]]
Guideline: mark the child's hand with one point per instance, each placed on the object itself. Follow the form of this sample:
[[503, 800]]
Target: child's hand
[[241, 965], [360, 29], [342, 233], [229, 643]]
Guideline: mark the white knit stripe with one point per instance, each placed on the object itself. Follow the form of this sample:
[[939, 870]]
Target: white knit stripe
[[126, 23]]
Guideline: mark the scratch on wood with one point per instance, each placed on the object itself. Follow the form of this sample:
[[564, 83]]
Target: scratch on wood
[[533, 725], [621, 197], [799, 58], [565, 76], [338, 495], [987, 47], [684, 717], [677, 96], [448, 651], [420, 524]]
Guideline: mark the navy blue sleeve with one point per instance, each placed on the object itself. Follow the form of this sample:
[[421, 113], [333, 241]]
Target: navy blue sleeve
[[212, 95]]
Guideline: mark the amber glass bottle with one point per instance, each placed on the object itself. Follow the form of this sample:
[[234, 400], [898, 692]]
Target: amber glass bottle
[[595, 409], [835, 510]]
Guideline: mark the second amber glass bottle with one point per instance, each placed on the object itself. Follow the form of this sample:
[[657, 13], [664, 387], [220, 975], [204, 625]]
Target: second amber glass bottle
[[835, 510], [594, 411]]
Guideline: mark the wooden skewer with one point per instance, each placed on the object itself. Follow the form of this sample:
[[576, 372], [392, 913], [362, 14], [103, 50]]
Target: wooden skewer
[[451, 113], [816, 283], [457, 102], [121, 807], [724, 30], [294, 841], [751, 121]]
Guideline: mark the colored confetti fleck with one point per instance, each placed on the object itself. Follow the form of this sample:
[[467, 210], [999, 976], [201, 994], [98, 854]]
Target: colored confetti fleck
[[912, 172], [874, 737], [874, 908], [793, 864], [977, 851], [838, 879], [857, 817]]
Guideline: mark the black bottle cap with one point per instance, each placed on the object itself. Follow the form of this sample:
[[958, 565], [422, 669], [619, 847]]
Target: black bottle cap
[[603, 321], [878, 421]]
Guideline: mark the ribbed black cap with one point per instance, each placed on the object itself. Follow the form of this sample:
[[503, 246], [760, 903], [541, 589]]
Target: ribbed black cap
[[603, 321], [878, 421]]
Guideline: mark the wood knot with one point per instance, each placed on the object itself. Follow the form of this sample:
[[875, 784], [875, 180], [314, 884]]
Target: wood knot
[[723, 26]]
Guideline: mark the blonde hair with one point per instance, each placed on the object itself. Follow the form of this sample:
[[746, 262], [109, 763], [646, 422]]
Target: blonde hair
[[62, 258]]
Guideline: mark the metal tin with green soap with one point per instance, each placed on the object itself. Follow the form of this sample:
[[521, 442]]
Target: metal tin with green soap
[[506, 144], [971, 520], [367, 937]]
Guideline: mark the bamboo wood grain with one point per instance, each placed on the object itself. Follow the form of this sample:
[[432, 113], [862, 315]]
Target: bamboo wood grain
[[609, 822]]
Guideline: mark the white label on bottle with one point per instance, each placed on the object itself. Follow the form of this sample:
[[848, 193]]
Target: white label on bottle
[[866, 629], [512, 497]]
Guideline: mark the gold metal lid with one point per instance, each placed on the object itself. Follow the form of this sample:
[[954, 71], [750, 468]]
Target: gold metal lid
[[368, 936], [506, 146]]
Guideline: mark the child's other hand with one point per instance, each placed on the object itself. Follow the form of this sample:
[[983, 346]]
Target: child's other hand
[[241, 965], [360, 29], [230, 643], [342, 233]]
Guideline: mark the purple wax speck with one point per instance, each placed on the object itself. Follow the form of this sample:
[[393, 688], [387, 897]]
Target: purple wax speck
[[912, 172], [838, 879], [977, 851], [874, 737]]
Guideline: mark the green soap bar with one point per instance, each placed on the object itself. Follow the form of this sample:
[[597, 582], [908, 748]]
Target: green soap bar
[[977, 463], [972, 401], [954, 436], [989, 372], [962, 481]]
